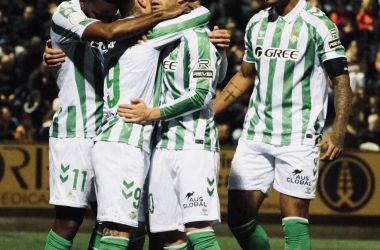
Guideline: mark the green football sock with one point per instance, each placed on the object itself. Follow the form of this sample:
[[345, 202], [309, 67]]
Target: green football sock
[[56, 242], [296, 233], [183, 246], [114, 243], [203, 239], [137, 243], [251, 236], [95, 240]]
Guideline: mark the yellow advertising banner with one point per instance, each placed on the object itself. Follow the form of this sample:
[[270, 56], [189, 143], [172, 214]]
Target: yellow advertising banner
[[24, 176], [345, 187]]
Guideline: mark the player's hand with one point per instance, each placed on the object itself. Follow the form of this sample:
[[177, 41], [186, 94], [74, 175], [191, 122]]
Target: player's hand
[[334, 148], [143, 37], [220, 38], [182, 8], [53, 57], [136, 112]]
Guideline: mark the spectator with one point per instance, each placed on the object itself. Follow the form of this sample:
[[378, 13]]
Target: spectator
[[8, 124], [26, 27], [4, 29], [365, 21], [372, 132], [8, 78], [374, 105], [42, 79], [357, 65], [47, 23], [35, 108], [368, 14], [25, 131], [30, 59], [43, 133]]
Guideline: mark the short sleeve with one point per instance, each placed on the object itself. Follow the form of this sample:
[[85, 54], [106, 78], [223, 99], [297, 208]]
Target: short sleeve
[[68, 23]]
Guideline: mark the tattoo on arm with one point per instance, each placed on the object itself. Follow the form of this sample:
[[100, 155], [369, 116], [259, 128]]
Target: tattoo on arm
[[342, 100], [230, 93], [232, 83]]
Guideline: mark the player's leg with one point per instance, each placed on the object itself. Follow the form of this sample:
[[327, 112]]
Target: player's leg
[[119, 170], [201, 235], [296, 176], [97, 231], [137, 238], [71, 182], [197, 187], [243, 207], [250, 180], [165, 217], [295, 222]]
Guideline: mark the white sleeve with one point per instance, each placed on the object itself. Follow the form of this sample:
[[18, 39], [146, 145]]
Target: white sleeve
[[173, 29], [68, 23]]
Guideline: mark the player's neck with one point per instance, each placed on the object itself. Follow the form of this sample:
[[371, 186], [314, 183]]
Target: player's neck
[[284, 10], [133, 12]]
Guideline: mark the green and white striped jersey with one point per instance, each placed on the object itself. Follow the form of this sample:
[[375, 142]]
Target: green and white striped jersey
[[79, 78], [289, 102], [131, 72], [189, 76]]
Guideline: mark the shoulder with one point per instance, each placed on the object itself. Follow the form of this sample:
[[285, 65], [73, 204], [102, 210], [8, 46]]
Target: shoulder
[[316, 17], [68, 11]]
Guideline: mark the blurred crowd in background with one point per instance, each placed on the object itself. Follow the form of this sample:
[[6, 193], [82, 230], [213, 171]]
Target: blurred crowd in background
[[28, 92]]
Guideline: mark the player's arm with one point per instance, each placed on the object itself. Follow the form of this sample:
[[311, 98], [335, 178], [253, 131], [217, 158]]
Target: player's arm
[[241, 82], [130, 27], [171, 30], [53, 57], [203, 59], [221, 40], [334, 61], [337, 70]]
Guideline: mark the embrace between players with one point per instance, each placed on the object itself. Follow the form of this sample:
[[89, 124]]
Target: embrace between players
[[136, 121]]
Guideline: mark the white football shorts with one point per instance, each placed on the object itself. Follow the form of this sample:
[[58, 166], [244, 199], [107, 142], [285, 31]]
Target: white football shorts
[[182, 188], [119, 170], [291, 170], [71, 174]]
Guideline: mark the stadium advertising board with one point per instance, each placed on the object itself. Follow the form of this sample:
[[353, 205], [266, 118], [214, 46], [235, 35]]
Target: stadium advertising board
[[24, 176], [345, 187]]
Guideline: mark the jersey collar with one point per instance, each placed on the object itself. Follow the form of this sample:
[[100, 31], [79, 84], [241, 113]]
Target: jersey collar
[[294, 13]]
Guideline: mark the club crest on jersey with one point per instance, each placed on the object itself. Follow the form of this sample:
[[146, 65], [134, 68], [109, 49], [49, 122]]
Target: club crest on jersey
[[294, 37], [287, 54], [170, 65], [76, 17]]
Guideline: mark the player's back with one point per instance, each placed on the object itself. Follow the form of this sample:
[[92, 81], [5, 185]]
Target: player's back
[[79, 78], [131, 71]]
